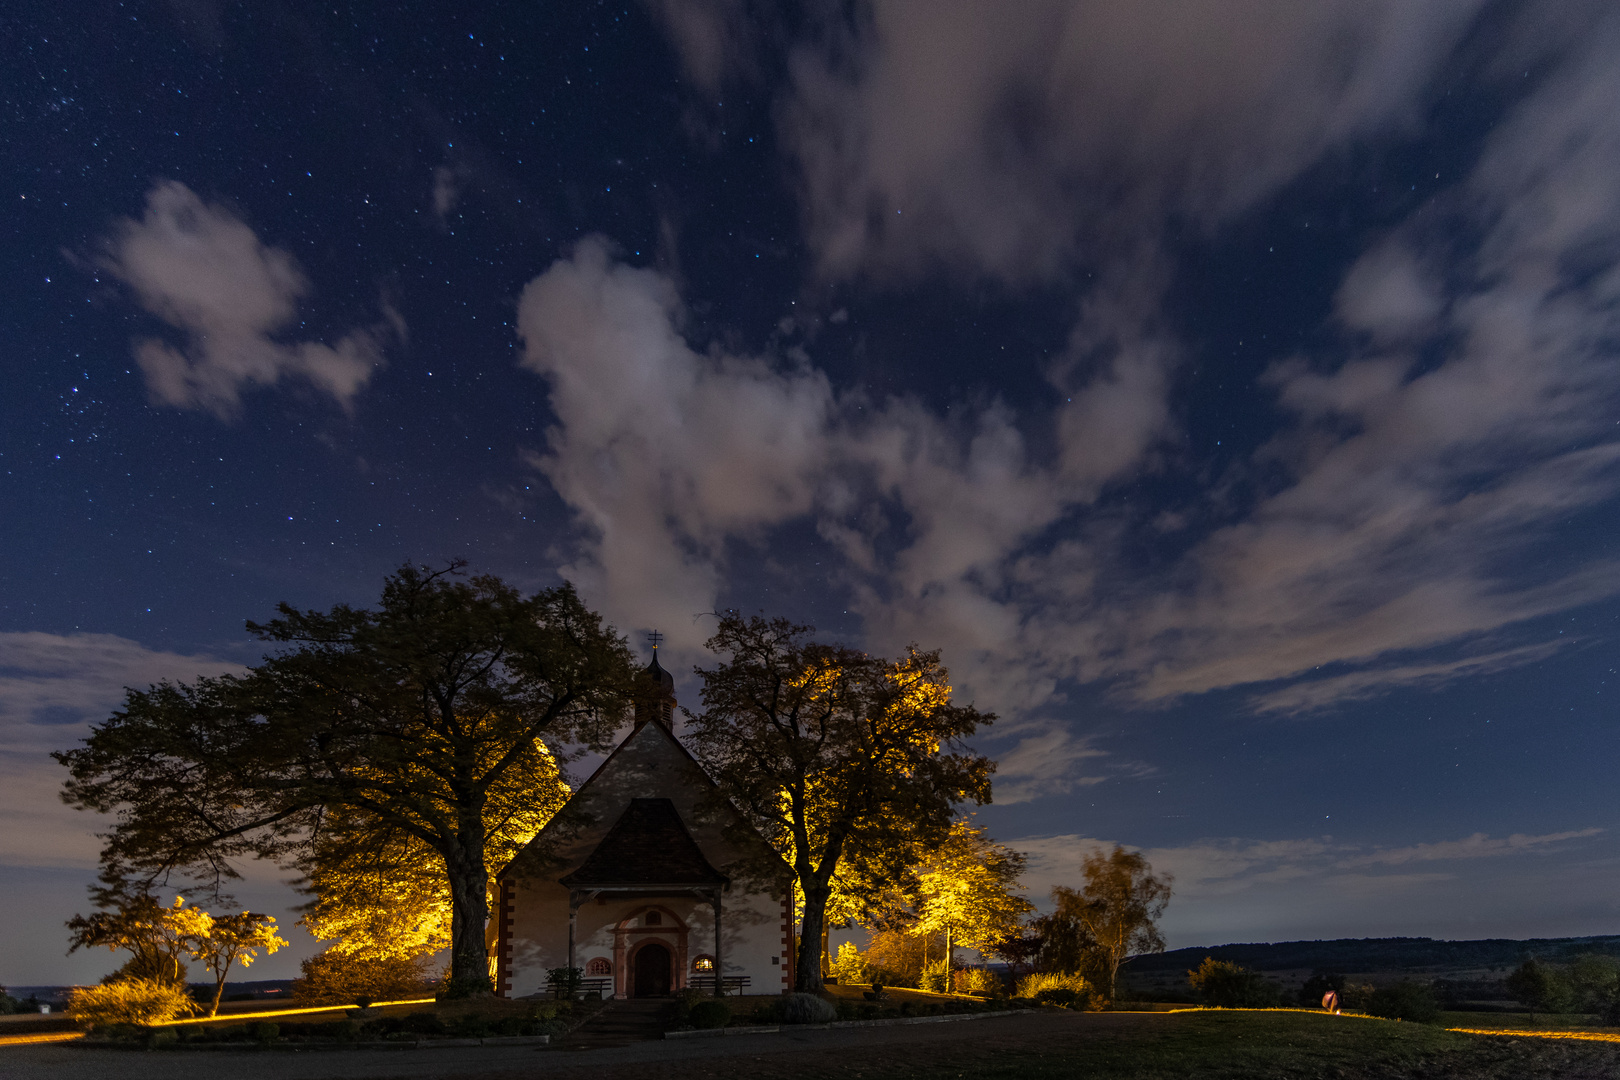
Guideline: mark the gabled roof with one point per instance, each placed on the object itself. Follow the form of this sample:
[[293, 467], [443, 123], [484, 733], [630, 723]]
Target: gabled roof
[[648, 845]]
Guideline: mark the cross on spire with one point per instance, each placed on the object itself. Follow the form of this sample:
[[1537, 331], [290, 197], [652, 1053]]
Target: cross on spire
[[655, 637]]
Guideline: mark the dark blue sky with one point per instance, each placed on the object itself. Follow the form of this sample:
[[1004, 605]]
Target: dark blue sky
[[1230, 394]]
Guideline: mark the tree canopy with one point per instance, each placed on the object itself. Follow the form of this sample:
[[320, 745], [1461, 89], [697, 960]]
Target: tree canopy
[[967, 891], [1113, 917], [837, 757], [405, 722]]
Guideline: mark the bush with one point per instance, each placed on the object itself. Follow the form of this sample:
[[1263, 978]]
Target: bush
[[1033, 986], [807, 1009], [849, 966], [1230, 986], [978, 980], [936, 977], [712, 1013], [1405, 1000], [144, 1002], [565, 982], [1541, 986], [264, 1032], [333, 979]]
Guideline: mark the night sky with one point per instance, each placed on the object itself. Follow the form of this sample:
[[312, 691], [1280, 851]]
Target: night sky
[[1230, 391]]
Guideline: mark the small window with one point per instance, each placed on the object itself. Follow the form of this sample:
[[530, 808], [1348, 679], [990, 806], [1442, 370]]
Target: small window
[[703, 963], [599, 966], [654, 919]]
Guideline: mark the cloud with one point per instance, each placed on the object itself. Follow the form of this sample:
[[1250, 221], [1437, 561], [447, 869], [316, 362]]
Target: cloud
[[203, 271], [52, 687], [1236, 889], [931, 133], [664, 454], [1047, 762], [1318, 693], [1456, 414]]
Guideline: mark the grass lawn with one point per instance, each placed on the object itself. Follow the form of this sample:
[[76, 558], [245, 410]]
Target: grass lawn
[[1226, 1045]]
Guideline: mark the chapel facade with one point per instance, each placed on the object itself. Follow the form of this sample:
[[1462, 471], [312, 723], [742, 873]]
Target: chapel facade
[[646, 880]]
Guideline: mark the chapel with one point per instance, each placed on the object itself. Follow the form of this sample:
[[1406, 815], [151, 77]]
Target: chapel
[[646, 880]]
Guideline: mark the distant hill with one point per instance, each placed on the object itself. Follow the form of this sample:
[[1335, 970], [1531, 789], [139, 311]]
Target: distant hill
[[1379, 954]]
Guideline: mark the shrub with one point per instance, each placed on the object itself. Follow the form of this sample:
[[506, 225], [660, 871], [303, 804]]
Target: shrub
[[849, 966], [1542, 987], [807, 1009], [978, 980], [334, 979], [565, 982], [712, 1013], [936, 977], [1356, 996], [264, 1032], [1033, 986], [1230, 986], [1405, 1000], [136, 1001]]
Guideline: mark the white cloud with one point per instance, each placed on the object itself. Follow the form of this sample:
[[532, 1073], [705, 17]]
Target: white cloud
[[933, 132], [202, 270], [665, 454], [1046, 762], [1464, 413], [1317, 693]]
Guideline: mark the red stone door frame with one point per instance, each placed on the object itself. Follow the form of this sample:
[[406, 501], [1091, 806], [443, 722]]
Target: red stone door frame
[[628, 939]]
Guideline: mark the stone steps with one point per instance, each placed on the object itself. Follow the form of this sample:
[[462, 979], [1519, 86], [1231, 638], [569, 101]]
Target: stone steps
[[619, 1023]]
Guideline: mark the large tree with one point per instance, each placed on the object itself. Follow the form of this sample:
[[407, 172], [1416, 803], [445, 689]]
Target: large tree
[[1115, 915], [408, 717], [838, 757]]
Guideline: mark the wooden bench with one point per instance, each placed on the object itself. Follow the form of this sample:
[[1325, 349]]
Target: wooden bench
[[734, 984]]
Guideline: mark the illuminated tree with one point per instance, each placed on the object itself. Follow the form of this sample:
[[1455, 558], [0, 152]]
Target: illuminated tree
[[966, 891], [410, 716], [837, 757], [233, 939], [1118, 910], [157, 938], [380, 892]]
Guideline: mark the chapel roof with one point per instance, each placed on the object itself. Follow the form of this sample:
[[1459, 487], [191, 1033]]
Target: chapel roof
[[648, 845]]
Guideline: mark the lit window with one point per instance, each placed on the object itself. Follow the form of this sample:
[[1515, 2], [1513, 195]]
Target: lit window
[[599, 966], [654, 918], [703, 963]]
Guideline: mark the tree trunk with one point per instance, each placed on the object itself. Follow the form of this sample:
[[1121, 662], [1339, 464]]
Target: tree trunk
[[219, 988], [807, 972], [469, 913]]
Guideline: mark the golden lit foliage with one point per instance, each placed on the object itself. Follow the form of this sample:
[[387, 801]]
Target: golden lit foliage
[[363, 726], [1033, 985], [333, 979], [847, 763], [966, 890], [234, 939], [849, 966], [381, 892], [156, 937], [130, 1001]]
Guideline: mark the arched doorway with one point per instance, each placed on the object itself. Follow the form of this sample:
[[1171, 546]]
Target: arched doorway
[[652, 971]]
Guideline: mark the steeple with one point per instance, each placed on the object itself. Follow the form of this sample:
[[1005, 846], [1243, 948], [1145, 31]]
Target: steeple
[[655, 697]]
